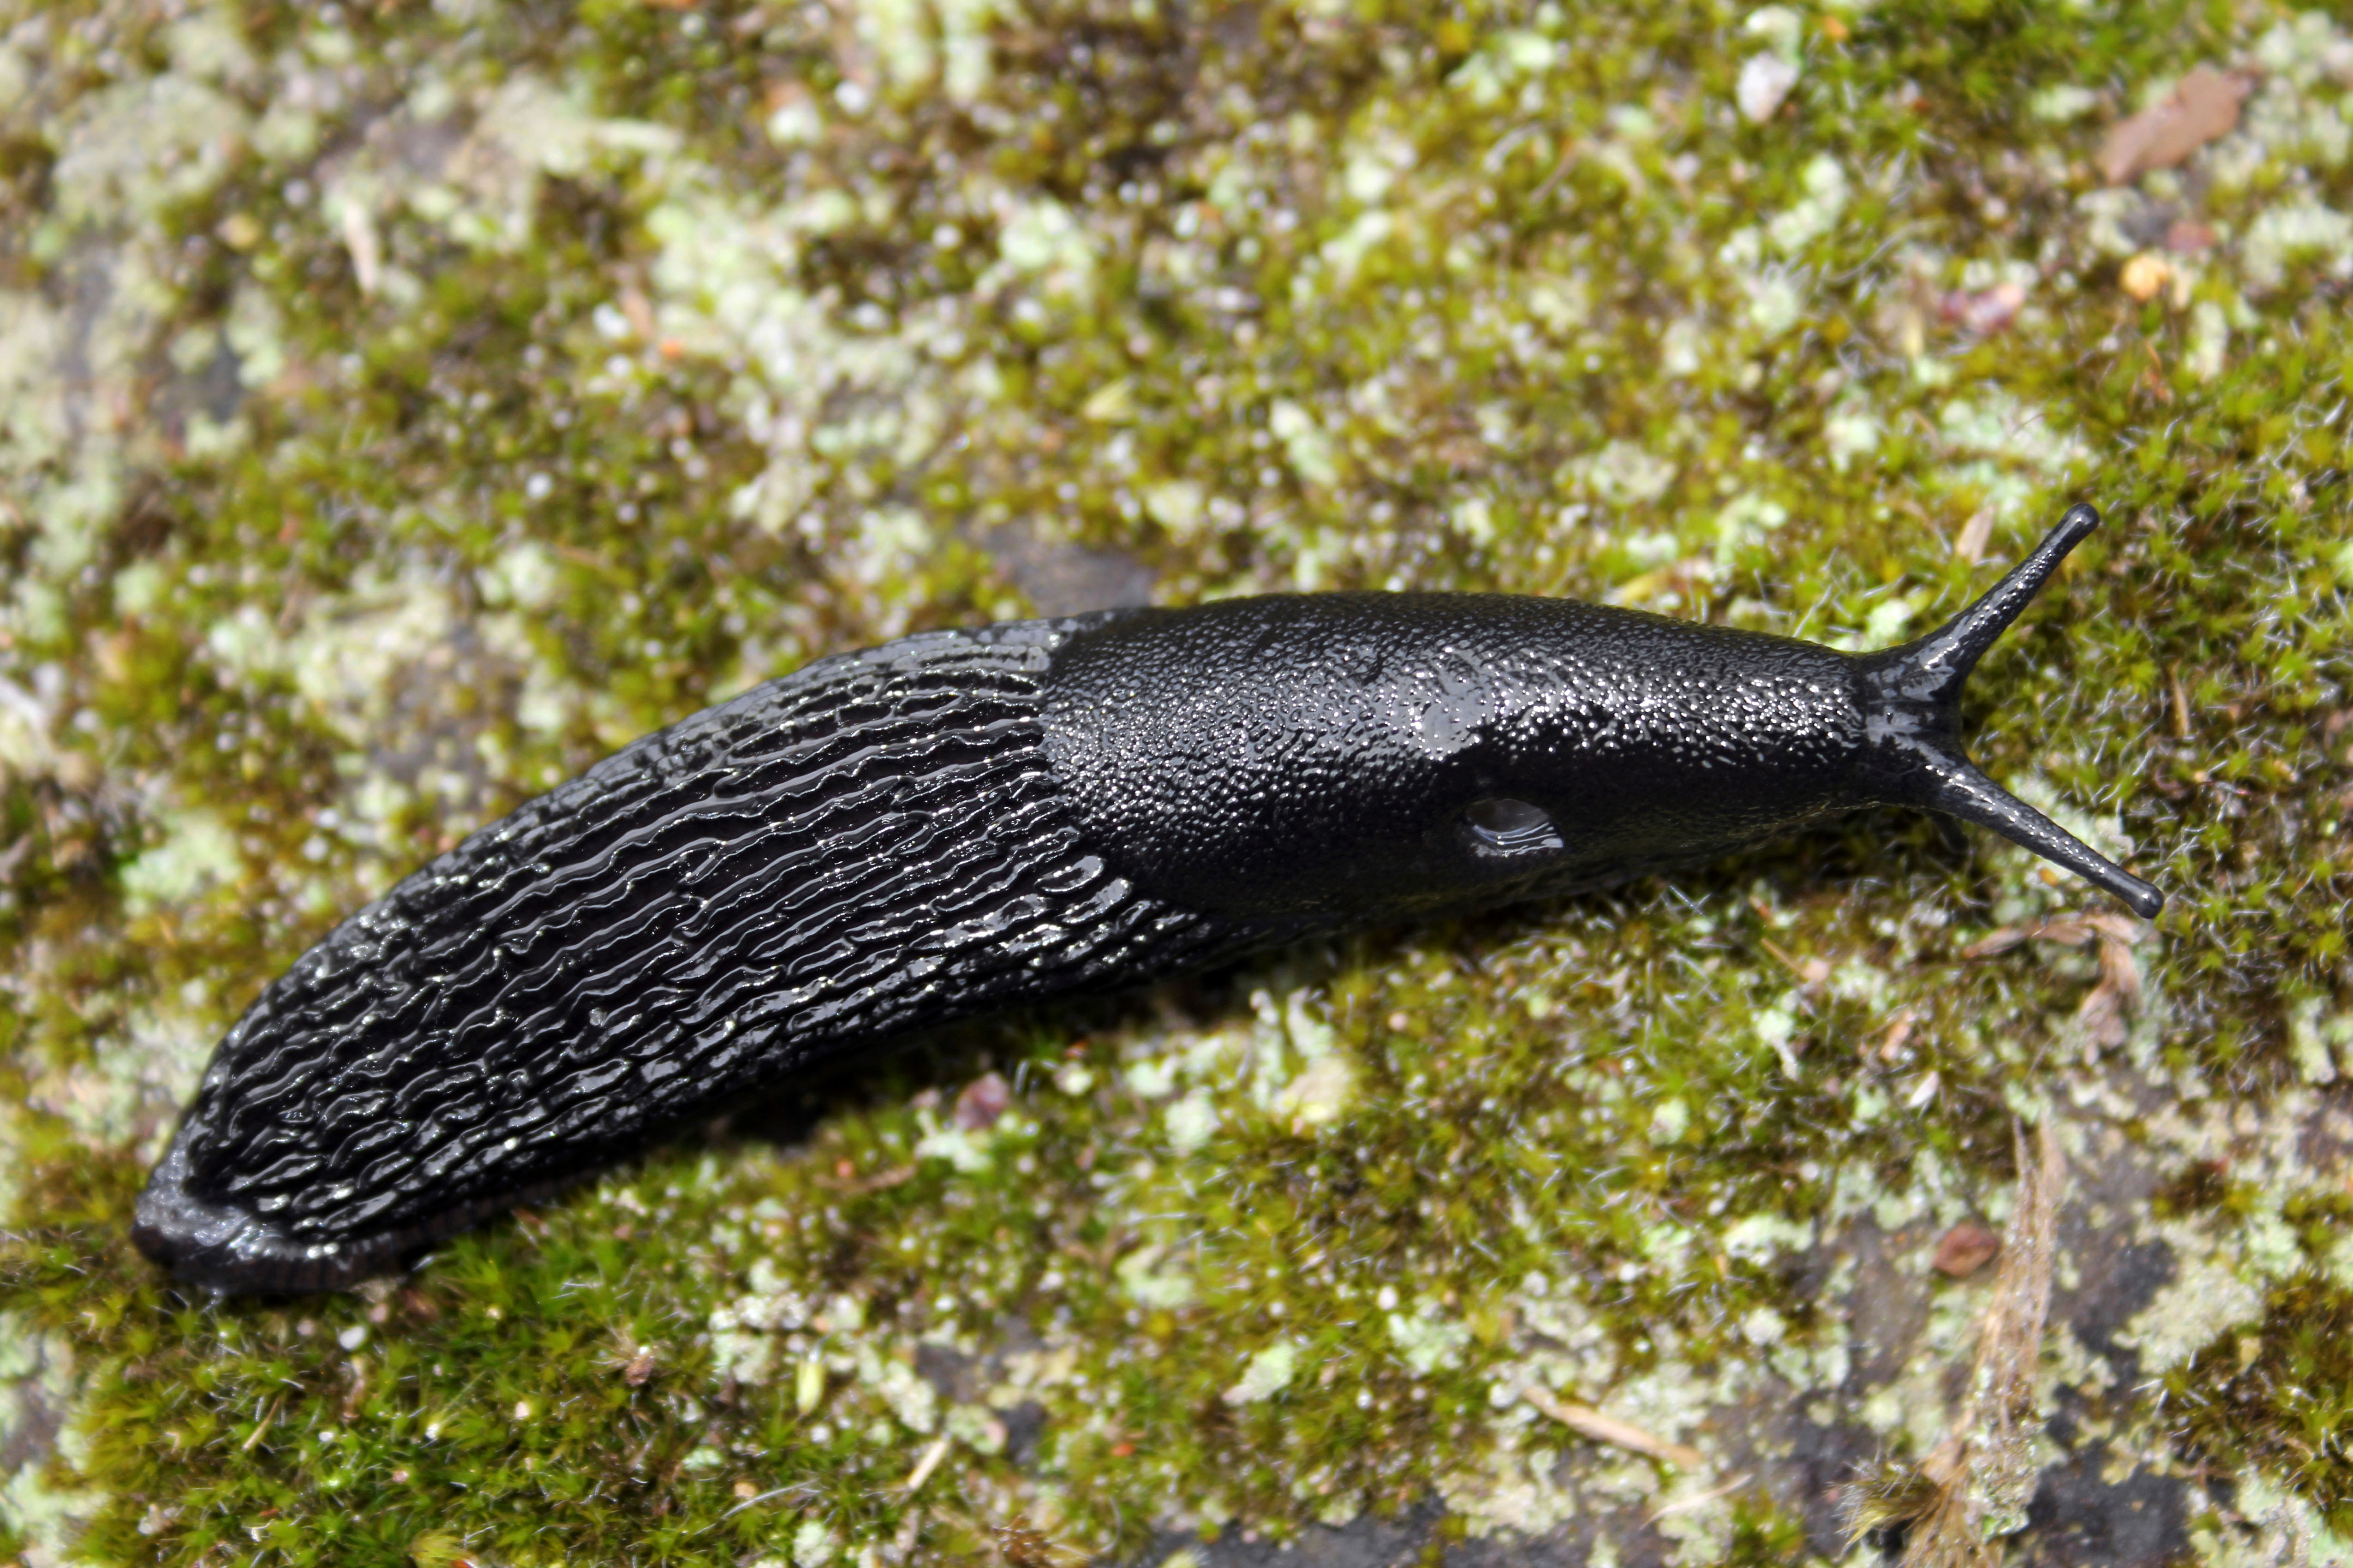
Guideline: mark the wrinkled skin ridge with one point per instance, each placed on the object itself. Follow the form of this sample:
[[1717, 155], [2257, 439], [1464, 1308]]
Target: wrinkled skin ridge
[[873, 845]]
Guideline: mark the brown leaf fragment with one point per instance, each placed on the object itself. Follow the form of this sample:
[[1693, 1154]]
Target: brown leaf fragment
[[1985, 310], [1899, 1033], [1970, 543], [1973, 1489], [2118, 969], [1996, 942], [2205, 107], [2188, 236], [1964, 1250], [2101, 1017], [2121, 931], [983, 1099], [2070, 930]]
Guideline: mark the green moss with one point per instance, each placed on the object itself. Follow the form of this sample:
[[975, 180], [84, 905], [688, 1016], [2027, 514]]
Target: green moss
[[510, 381], [2278, 1394]]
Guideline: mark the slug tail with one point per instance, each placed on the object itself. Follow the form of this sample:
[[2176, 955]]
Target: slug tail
[[872, 845], [1911, 702]]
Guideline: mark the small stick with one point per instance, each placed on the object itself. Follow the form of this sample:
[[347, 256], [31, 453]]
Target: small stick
[[925, 1466], [1686, 1505], [751, 1502], [1610, 1429], [259, 1433]]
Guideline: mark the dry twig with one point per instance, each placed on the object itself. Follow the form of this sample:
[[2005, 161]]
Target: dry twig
[[1977, 1483], [1610, 1430]]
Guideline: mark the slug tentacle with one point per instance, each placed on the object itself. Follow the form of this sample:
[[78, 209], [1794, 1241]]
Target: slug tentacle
[[958, 821], [1912, 700], [1959, 790], [1935, 668]]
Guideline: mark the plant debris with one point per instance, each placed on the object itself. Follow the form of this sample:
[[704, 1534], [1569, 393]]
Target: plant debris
[[1609, 1429], [1974, 1487], [2205, 107], [1964, 1250]]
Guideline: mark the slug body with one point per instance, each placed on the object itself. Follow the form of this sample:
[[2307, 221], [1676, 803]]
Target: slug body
[[958, 821]]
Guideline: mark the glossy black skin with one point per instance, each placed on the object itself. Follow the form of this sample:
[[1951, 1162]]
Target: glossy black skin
[[890, 840], [1312, 757]]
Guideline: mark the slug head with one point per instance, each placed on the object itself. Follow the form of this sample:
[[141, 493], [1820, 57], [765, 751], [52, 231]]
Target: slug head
[[1336, 758], [1912, 708], [1329, 759]]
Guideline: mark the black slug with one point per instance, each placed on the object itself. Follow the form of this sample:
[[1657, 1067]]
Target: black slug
[[957, 821]]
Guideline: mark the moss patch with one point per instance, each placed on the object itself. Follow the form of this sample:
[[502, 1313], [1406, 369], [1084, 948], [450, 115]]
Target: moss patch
[[2279, 1391]]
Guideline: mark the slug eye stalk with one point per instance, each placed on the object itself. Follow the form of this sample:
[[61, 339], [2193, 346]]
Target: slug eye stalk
[[1912, 698]]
